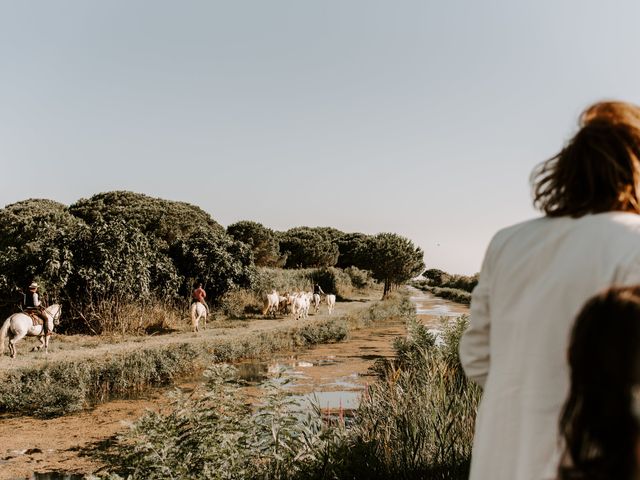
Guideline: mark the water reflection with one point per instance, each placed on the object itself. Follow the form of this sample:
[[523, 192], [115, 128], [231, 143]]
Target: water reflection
[[56, 476]]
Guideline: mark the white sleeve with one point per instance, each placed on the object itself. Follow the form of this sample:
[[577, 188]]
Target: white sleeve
[[630, 275], [36, 299], [474, 344]]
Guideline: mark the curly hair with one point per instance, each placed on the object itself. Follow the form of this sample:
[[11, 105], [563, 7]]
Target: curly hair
[[597, 424], [598, 170]]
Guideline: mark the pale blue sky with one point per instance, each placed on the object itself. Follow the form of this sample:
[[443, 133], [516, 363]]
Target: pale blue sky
[[423, 118]]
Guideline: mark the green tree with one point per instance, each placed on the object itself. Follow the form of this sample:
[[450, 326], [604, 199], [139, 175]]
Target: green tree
[[166, 220], [215, 259], [34, 237], [392, 259], [308, 247], [350, 246], [115, 260], [262, 240], [436, 277]]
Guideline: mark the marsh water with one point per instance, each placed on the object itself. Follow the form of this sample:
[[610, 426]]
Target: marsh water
[[333, 376]]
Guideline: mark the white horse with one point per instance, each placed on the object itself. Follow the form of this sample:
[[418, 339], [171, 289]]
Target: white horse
[[198, 311], [316, 302], [331, 303], [20, 325], [272, 303]]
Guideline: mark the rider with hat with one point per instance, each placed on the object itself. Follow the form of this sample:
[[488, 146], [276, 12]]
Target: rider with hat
[[32, 305]]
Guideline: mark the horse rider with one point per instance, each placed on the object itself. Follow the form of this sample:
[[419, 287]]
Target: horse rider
[[199, 295], [32, 305], [317, 289]]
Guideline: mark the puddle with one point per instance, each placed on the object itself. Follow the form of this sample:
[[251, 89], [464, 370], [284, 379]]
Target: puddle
[[56, 476], [333, 376], [431, 309], [330, 401]]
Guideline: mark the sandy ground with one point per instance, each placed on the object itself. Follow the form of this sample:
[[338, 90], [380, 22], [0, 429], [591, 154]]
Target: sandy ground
[[30, 445]]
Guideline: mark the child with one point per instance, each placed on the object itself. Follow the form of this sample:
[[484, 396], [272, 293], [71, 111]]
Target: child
[[598, 426]]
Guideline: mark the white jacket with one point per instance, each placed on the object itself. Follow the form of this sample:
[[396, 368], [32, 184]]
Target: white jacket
[[534, 279]]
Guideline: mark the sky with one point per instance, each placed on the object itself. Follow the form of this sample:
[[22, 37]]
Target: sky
[[423, 118]]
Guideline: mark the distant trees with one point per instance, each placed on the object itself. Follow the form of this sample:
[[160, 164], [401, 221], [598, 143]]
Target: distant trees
[[439, 278], [392, 259], [262, 240], [308, 247], [124, 248]]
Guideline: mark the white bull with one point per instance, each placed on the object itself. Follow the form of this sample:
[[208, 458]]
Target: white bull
[[271, 304], [300, 305], [316, 302], [331, 302]]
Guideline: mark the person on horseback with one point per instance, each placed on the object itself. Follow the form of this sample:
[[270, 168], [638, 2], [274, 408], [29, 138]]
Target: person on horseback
[[199, 295], [32, 305], [318, 289]]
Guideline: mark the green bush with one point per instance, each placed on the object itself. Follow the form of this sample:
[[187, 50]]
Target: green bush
[[360, 279], [439, 278], [333, 280]]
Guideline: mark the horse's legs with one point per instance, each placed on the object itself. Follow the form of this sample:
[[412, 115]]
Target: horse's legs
[[37, 348], [12, 344]]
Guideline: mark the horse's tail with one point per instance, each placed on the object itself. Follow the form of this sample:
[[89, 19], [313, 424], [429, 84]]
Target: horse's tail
[[3, 334]]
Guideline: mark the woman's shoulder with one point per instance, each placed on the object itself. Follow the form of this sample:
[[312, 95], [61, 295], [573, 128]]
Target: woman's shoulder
[[520, 228], [618, 221]]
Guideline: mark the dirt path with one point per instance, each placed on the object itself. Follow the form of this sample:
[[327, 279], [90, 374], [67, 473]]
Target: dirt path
[[34, 445], [76, 347]]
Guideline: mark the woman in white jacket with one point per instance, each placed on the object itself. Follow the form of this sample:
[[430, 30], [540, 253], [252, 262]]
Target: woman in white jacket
[[535, 278]]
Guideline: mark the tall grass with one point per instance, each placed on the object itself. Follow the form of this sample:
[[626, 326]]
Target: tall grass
[[415, 422]]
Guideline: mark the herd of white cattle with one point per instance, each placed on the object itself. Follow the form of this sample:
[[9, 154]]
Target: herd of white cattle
[[298, 304]]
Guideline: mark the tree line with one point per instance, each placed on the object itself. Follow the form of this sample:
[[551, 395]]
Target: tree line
[[128, 247]]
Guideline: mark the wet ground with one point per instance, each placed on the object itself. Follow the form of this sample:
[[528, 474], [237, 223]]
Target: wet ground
[[332, 376]]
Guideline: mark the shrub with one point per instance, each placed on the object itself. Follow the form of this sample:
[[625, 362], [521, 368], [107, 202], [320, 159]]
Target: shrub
[[333, 280], [360, 279], [240, 303]]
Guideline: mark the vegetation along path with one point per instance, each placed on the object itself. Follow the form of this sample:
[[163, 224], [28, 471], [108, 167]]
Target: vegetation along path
[[31, 444]]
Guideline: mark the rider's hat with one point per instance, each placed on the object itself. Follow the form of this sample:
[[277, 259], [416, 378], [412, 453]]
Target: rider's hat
[[33, 285]]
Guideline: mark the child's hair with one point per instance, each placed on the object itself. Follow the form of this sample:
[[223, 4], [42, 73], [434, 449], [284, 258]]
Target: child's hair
[[597, 423]]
